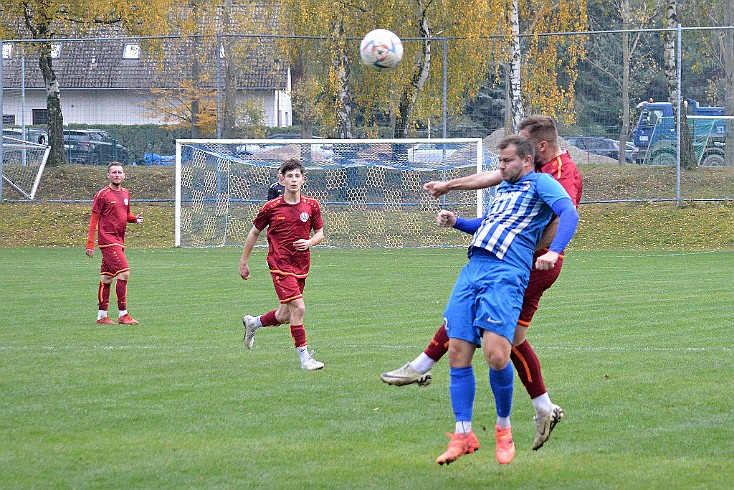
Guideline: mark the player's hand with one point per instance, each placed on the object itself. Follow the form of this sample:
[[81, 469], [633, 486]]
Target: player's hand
[[301, 245], [90, 252], [445, 219], [547, 261], [435, 188], [139, 218], [244, 270]]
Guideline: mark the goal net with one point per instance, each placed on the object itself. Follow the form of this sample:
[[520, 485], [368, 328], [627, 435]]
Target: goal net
[[22, 166], [370, 190]]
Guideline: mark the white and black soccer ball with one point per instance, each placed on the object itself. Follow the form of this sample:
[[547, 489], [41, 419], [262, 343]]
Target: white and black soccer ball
[[381, 49]]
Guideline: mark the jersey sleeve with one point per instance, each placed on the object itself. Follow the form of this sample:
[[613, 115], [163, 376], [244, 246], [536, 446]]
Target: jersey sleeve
[[317, 221], [551, 190], [263, 217]]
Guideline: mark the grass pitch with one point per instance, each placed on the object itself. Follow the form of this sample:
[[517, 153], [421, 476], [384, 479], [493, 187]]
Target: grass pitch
[[637, 348]]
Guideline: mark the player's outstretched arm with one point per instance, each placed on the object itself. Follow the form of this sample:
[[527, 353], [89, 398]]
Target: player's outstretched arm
[[250, 242], [480, 180], [90, 234]]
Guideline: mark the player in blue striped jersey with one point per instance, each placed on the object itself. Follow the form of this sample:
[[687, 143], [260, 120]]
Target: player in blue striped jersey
[[485, 303]]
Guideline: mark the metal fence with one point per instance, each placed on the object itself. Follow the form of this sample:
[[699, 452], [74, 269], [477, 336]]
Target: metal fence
[[142, 94]]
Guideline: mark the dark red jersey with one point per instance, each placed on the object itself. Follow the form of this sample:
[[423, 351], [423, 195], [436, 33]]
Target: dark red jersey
[[113, 208], [567, 173], [287, 223]]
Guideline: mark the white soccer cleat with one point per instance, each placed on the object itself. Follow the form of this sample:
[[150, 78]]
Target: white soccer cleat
[[249, 323], [406, 375], [544, 426], [311, 364]]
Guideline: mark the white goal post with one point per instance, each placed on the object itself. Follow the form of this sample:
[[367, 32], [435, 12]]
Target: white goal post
[[22, 165], [370, 190]]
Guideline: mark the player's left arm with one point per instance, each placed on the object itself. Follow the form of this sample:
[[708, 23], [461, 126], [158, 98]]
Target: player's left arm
[[568, 220], [316, 238], [131, 218], [560, 202]]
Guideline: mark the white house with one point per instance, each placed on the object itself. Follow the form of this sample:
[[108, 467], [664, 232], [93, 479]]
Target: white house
[[108, 80]]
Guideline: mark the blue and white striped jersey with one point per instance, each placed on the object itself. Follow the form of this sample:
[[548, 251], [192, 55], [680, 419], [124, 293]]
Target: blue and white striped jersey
[[519, 214]]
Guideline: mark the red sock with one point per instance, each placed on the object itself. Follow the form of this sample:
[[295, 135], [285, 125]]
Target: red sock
[[439, 345], [527, 366], [299, 335], [103, 296], [269, 320], [121, 292]]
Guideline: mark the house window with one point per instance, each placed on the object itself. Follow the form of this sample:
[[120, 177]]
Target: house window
[[131, 52], [9, 119], [7, 51], [40, 116]]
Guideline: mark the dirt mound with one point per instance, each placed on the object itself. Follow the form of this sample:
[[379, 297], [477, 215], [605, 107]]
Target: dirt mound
[[578, 155]]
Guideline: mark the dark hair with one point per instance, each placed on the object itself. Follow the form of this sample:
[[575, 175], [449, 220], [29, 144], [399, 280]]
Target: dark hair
[[540, 128], [523, 146], [291, 164]]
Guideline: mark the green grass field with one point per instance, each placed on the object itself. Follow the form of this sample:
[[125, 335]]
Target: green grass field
[[636, 346]]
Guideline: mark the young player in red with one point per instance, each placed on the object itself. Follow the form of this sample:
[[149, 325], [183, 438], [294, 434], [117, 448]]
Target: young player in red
[[549, 158], [289, 219], [111, 210]]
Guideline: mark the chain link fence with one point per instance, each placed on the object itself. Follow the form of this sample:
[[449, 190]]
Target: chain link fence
[[131, 98]]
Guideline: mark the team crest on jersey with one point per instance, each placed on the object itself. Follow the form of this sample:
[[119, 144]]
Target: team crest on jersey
[[125, 201], [304, 216]]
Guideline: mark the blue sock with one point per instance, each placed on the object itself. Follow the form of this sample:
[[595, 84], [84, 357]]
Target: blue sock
[[462, 387], [502, 384]]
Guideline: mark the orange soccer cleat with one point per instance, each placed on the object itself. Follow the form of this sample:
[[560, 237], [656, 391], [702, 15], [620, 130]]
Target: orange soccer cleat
[[505, 449], [127, 320], [105, 321], [459, 445]]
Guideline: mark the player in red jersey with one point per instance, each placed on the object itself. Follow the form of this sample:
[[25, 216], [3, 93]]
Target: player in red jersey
[[111, 210], [289, 219], [549, 158]]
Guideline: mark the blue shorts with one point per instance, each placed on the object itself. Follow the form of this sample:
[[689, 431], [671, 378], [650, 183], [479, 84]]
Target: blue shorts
[[487, 295]]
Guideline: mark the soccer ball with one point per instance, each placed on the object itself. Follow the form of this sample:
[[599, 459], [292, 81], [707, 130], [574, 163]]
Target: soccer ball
[[381, 49]]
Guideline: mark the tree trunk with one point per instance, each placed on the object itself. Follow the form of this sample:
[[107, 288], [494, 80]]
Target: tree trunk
[[341, 68], [518, 113], [57, 156], [687, 156], [624, 131], [420, 77], [229, 109], [728, 56]]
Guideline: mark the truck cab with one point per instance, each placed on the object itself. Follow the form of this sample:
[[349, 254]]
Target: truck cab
[[655, 133]]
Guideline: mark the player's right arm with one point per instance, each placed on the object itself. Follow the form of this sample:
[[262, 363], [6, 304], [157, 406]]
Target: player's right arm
[[90, 235], [250, 242], [480, 180]]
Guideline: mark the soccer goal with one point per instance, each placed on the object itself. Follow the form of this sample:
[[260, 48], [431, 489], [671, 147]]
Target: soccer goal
[[22, 165], [370, 190]]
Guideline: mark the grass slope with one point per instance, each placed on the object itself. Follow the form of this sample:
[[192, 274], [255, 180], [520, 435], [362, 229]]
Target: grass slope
[[635, 346]]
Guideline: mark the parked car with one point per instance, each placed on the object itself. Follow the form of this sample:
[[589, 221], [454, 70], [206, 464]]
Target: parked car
[[93, 147], [32, 135], [607, 147], [631, 153], [321, 151], [431, 152]]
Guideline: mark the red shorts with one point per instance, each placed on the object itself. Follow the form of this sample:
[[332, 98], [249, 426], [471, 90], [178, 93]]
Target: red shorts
[[539, 282], [113, 261], [288, 287]]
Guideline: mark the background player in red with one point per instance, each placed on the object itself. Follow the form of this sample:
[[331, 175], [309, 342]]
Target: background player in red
[[111, 210], [289, 219], [549, 158]]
